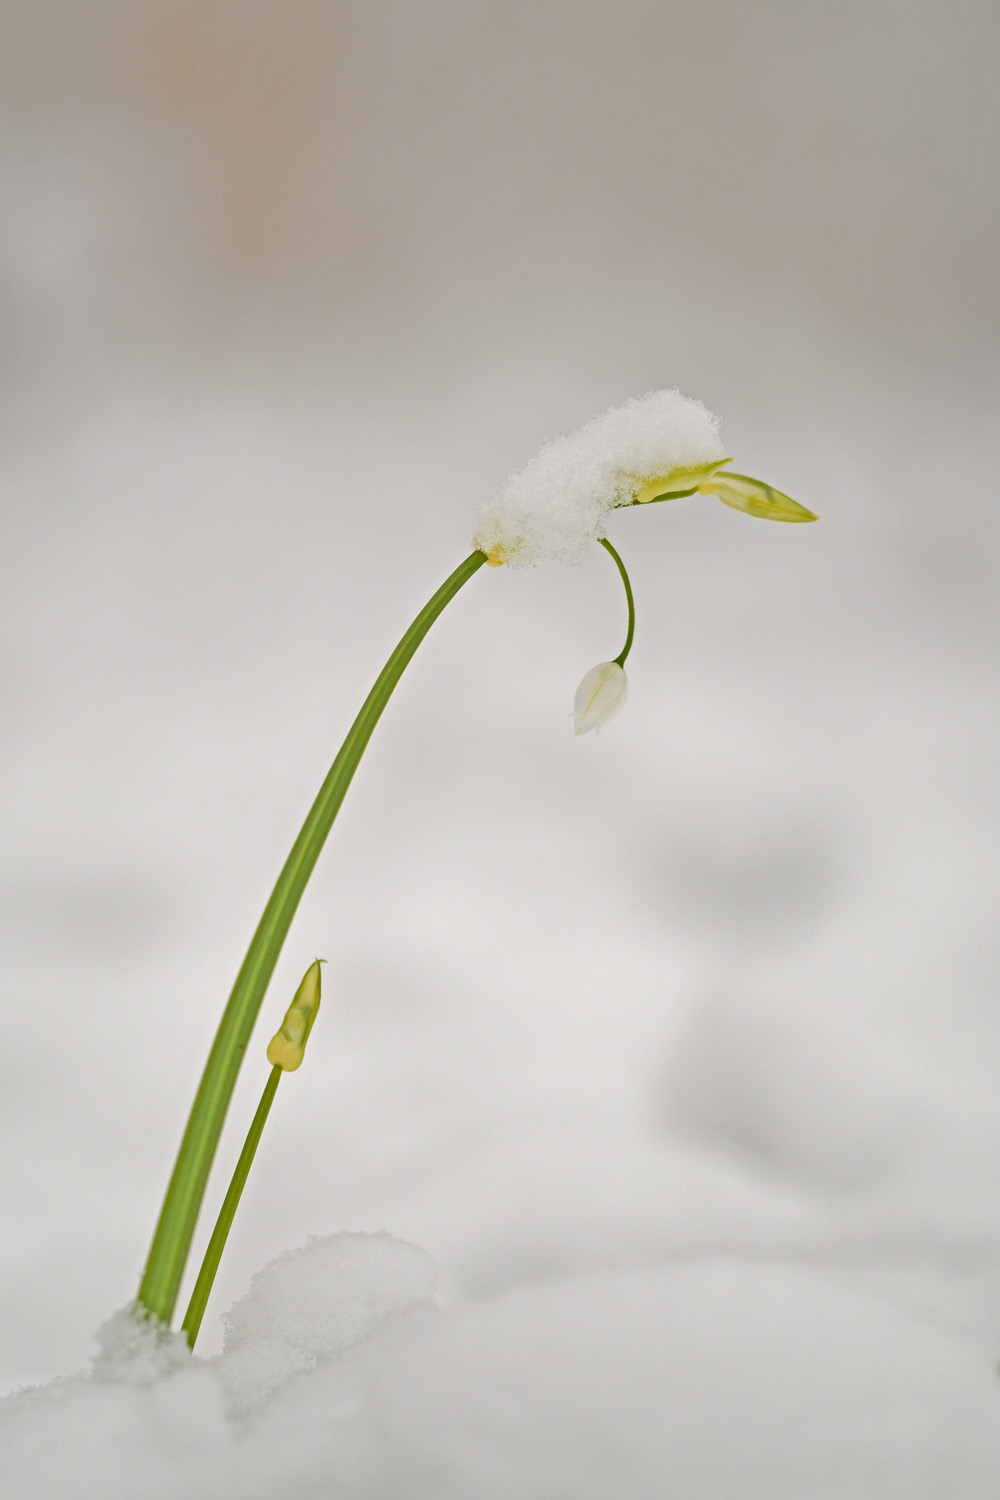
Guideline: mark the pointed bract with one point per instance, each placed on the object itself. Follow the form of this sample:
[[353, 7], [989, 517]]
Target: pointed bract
[[756, 498]]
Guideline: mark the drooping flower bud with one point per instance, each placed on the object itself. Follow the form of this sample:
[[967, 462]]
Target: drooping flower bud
[[600, 696], [287, 1047]]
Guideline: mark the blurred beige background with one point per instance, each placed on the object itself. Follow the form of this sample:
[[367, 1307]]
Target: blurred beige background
[[286, 290]]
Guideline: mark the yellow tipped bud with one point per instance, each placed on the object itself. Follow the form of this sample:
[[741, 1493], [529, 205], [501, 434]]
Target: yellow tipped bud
[[758, 499], [677, 482], [495, 559], [286, 1048]]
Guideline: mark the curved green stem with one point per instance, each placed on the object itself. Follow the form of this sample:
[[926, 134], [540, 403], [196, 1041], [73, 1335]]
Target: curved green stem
[[174, 1230], [620, 658], [223, 1224]]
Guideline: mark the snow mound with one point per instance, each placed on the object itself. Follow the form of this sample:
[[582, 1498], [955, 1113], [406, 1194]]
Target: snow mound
[[313, 1303], [714, 1377], [326, 1295], [555, 506], [717, 1379]]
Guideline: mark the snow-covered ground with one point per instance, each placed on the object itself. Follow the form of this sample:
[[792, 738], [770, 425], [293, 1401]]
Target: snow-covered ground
[[713, 1376]]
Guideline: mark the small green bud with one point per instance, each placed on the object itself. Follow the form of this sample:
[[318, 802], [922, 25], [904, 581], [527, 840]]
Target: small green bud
[[287, 1047]]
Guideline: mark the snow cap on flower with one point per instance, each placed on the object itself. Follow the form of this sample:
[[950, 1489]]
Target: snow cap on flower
[[600, 697], [556, 505]]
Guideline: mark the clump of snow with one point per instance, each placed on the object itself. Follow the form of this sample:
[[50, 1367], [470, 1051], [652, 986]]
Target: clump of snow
[[150, 1420], [134, 1349], [556, 505], [326, 1295], [312, 1303], [96, 1439]]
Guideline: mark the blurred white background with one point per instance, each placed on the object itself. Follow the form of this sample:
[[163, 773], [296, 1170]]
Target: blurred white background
[[287, 290]]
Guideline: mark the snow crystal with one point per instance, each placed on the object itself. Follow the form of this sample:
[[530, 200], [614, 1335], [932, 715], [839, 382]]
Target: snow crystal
[[556, 505]]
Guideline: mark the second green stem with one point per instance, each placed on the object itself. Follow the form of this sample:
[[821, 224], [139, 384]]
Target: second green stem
[[216, 1245], [620, 658]]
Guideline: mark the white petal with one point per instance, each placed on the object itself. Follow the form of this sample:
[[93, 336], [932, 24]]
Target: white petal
[[600, 696]]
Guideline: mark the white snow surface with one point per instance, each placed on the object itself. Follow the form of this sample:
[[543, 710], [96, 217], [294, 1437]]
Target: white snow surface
[[712, 1377], [557, 504]]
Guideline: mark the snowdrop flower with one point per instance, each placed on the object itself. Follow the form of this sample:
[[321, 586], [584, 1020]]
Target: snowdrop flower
[[600, 697], [602, 693], [656, 447]]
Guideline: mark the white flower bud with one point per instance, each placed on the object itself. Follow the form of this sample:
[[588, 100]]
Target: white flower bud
[[600, 696]]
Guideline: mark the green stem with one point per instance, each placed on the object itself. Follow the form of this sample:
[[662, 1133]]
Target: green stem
[[174, 1230], [620, 658], [223, 1224]]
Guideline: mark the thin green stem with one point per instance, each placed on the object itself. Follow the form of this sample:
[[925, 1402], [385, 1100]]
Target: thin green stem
[[223, 1224], [620, 658], [174, 1230]]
